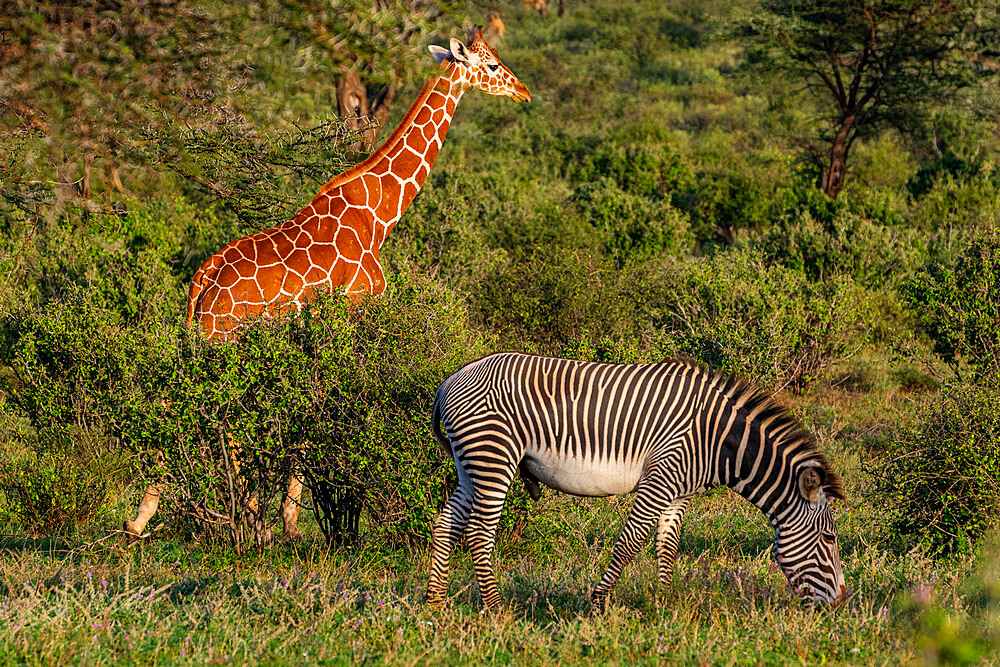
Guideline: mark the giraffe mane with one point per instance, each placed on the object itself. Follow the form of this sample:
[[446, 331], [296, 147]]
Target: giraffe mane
[[755, 398]]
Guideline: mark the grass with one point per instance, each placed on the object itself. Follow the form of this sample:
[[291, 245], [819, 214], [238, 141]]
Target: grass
[[176, 601]]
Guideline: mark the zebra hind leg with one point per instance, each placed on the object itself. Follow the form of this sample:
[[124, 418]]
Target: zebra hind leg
[[651, 501], [481, 532], [668, 537], [447, 530]]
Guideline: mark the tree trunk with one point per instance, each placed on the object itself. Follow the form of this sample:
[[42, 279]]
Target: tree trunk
[[835, 175], [352, 99]]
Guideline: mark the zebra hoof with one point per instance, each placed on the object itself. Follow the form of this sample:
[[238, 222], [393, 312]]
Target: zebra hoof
[[599, 604]]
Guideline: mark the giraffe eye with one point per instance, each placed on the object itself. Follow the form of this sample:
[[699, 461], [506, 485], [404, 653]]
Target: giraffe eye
[[493, 67]]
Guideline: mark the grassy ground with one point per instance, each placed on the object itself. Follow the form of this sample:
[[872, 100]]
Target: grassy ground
[[173, 601]]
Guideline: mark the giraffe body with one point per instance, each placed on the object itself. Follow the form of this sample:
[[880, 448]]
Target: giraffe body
[[335, 240]]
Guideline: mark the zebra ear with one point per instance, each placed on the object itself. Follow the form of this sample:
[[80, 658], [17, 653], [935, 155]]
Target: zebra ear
[[811, 484]]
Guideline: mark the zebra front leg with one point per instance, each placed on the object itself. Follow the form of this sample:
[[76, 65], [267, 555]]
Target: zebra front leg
[[448, 529], [651, 500], [668, 537]]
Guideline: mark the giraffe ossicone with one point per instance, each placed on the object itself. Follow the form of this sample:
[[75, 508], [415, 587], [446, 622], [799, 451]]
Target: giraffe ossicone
[[335, 240]]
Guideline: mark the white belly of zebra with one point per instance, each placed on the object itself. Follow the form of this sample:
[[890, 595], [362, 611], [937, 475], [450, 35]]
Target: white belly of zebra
[[582, 477]]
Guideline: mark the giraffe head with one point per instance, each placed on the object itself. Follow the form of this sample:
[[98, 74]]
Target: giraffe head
[[479, 66]]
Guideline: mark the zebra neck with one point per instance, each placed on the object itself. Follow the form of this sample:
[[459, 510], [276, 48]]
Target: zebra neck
[[761, 452]]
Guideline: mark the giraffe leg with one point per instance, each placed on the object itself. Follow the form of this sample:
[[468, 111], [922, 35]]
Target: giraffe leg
[[147, 507], [652, 499], [668, 535], [448, 529], [290, 507]]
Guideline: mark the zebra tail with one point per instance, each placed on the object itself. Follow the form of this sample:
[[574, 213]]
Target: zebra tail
[[439, 435]]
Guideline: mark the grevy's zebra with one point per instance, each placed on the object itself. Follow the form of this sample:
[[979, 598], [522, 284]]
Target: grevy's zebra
[[666, 431]]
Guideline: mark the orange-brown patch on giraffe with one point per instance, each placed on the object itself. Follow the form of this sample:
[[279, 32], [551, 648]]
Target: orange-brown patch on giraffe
[[315, 276], [360, 220], [323, 229], [389, 206], [374, 270], [423, 116], [224, 278], [284, 245], [436, 99], [422, 172], [437, 116], [374, 186], [302, 240], [247, 292], [353, 191], [409, 192], [270, 283], [244, 267], [418, 142], [429, 131], [338, 273], [267, 254], [450, 106], [298, 262], [348, 245], [321, 205], [223, 304], [293, 284], [408, 162], [350, 275]]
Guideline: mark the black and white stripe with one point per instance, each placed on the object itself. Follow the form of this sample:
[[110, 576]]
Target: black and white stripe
[[666, 431]]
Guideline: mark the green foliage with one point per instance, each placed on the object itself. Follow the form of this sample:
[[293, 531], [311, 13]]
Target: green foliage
[[873, 64], [720, 204], [261, 177], [630, 224], [55, 492], [740, 314], [940, 477], [947, 164], [342, 396], [872, 254], [957, 304]]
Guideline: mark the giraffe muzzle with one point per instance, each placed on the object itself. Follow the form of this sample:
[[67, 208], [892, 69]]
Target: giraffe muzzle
[[520, 93]]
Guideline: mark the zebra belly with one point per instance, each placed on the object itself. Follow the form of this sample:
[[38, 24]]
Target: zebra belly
[[582, 477]]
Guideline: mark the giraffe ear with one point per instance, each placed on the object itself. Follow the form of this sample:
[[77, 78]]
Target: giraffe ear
[[440, 53], [459, 52]]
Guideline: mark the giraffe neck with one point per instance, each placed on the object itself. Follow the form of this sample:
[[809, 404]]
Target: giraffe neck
[[388, 180]]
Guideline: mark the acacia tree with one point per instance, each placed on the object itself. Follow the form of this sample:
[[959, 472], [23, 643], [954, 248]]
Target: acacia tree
[[875, 63]]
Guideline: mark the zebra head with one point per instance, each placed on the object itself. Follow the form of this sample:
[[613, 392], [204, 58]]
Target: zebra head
[[806, 545]]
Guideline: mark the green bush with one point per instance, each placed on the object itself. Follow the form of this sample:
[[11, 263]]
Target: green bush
[[942, 476], [740, 314], [342, 394], [60, 471], [720, 204], [957, 304], [55, 492], [873, 255], [630, 224], [556, 300]]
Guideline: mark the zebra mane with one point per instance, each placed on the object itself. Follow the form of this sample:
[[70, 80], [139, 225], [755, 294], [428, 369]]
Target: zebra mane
[[754, 398]]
